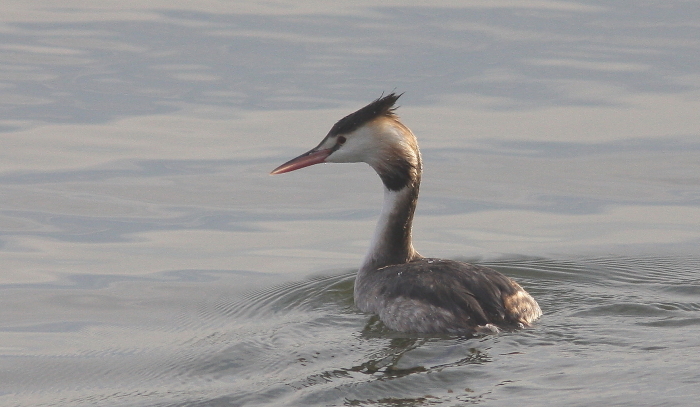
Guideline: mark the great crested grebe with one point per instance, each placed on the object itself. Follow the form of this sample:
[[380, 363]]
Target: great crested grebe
[[409, 292]]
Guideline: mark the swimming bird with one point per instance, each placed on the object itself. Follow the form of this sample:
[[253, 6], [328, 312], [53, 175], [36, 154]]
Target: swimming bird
[[409, 292]]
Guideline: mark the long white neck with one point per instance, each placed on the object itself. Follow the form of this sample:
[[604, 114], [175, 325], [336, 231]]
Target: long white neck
[[391, 243]]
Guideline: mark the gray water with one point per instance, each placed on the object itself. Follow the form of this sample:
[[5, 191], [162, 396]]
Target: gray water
[[148, 259]]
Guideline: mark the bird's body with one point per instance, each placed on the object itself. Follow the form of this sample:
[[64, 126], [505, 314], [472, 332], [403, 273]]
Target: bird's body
[[443, 296], [411, 293]]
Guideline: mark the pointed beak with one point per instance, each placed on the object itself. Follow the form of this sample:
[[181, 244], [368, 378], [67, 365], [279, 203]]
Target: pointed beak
[[311, 157]]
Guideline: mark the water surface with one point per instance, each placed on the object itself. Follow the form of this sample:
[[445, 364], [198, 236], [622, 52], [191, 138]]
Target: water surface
[[148, 259]]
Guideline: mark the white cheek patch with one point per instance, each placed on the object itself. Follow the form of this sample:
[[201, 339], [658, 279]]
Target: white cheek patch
[[375, 143], [327, 143], [359, 146]]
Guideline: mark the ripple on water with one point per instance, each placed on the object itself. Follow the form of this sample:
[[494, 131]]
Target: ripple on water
[[315, 293], [304, 343], [308, 336]]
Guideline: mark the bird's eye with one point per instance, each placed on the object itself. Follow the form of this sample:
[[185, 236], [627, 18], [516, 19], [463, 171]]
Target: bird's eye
[[341, 140]]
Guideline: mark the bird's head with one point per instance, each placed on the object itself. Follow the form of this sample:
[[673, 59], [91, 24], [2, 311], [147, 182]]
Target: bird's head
[[373, 135]]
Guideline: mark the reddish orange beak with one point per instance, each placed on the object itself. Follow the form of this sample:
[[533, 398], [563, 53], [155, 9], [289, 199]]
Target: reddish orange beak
[[308, 158]]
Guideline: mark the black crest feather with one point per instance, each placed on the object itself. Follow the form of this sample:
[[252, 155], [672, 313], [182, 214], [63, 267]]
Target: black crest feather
[[384, 106]]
